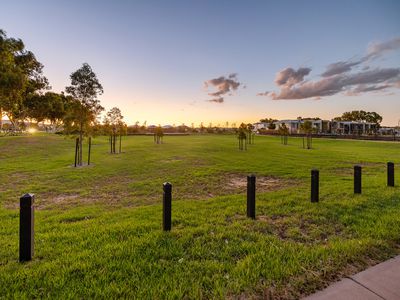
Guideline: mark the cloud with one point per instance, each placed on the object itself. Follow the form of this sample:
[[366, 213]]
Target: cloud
[[217, 100], [329, 86], [365, 88], [339, 77], [377, 49], [374, 51], [339, 68], [223, 85], [289, 77]]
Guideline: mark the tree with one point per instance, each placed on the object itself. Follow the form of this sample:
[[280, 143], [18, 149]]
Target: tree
[[242, 136], [158, 135], [49, 106], [20, 76], [361, 116], [268, 120], [307, 129], [85, 107], [250, 133], [113, 120], [284, 132]]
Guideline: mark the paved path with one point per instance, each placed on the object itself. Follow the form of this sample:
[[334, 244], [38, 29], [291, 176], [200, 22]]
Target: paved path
[[378, 282]]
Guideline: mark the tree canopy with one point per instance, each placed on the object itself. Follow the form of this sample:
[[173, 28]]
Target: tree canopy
[[84, 106], [360, 116], [21, 75]]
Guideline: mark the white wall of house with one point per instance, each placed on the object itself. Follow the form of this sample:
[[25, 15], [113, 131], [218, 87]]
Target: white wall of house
[[323, 126]]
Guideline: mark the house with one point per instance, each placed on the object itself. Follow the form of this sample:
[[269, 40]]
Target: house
[[292, 125], [261, 125], [323, 126], [352, 127], [320, 126], [389, 131]]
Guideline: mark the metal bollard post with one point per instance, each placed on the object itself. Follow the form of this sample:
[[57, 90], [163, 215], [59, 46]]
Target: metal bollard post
[[390, 174], [26, 227], [357, 179], [314, 185], [251, 196], [167, 197]]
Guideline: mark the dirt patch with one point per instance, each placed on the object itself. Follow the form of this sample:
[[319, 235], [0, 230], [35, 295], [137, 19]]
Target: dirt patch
[[76, 219], [299, 229], [349, 170], [263, 183], [173, 159], [124, 191], [48, 200]]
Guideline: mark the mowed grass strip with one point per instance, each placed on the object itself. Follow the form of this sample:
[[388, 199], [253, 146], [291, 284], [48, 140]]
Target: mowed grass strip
[[98, 228]]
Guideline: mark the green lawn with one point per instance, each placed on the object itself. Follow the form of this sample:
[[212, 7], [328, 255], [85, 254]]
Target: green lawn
[[98, 228]]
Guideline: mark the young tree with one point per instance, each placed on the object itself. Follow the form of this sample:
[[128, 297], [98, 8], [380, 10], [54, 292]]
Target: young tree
[[158, 135], [307, 129], [114, 121], [250, 133], [242, 136], [85, 108], [284, 132]]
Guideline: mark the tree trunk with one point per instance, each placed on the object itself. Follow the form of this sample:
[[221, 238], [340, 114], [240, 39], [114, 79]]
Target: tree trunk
[[114, 140], [80, 145]]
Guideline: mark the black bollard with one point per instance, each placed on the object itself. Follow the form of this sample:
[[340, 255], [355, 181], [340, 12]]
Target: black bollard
[[314, 185], [76, 150], [390, 174], [167, 198], [251, 196], [90, 147], [26, 227], [357, 179]]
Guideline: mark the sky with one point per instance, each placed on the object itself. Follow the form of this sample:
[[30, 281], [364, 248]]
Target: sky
[[174, 62]]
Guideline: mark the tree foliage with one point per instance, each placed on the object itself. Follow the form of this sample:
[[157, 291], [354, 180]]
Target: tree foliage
[[84, 106], [284, 132], [158, 135], [268, 120], [242, 136], [21, 75], [360, 116], [307, 129]]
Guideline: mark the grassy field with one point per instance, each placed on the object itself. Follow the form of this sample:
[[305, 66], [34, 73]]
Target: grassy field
[[98, 228]]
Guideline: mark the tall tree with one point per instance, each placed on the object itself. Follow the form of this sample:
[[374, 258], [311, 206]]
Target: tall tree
[[20, 76], [84, 89]]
